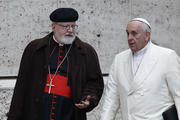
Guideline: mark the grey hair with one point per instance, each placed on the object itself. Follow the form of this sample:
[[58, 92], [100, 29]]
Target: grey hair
[[145, 27]]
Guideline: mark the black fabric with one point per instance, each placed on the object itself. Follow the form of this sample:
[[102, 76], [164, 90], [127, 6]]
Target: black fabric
[[170, 114], [53, 58], [62, 107], [64, 15], [58, 107]]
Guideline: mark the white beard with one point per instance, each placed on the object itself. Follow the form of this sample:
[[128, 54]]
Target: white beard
[[68, 38]]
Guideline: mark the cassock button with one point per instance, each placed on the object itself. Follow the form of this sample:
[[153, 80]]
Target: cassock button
[[53, 102], [52, 113]]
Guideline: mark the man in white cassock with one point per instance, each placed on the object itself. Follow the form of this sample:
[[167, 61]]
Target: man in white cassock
[[144, 81]]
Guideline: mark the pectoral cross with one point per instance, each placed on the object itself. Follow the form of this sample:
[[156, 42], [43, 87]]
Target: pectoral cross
[[50, 85]]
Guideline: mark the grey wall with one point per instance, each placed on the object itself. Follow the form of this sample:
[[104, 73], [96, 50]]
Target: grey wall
[[102, 23]]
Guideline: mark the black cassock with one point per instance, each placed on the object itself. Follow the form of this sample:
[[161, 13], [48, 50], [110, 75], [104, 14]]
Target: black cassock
[[57, 101]]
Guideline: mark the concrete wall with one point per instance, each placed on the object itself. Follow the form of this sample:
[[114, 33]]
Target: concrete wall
[[102, 23]]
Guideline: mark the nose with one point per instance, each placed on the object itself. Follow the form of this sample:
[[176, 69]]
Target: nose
[[70, 29], [130, 37]]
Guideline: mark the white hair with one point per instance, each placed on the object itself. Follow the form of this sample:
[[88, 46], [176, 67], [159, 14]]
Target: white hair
[[145, 27]]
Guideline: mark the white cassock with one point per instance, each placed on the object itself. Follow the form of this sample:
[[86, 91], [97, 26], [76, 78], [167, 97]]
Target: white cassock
[[144, 92]]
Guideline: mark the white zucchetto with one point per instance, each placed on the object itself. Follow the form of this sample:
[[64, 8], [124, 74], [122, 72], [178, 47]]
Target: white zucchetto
[[142, 20]]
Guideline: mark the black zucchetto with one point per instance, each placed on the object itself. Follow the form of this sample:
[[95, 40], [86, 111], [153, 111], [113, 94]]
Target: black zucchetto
[[64, 15]]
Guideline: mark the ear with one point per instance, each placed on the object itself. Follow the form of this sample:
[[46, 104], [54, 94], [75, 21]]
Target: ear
[[148, 34], [53, 26]]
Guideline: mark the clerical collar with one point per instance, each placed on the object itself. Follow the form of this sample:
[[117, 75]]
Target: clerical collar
[[138, 57], [143, 50], [60, 44]]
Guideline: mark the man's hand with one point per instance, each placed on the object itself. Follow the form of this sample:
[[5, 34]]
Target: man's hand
[[84, 104]]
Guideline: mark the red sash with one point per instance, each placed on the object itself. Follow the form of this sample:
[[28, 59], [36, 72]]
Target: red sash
[[59, 86]]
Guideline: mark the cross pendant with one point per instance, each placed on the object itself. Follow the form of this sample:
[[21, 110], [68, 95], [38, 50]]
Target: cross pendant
[[50, 85]]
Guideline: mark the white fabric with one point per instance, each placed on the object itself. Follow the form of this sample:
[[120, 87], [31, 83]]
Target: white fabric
[[137, 58], [145, 96], [142, 20]]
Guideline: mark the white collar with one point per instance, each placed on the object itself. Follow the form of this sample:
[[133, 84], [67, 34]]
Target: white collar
[[138, 56], [60, 44]]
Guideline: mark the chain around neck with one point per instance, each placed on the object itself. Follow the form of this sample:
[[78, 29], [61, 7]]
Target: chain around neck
[[58, 65]]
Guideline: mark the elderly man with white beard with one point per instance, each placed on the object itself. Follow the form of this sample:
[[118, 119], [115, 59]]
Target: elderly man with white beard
[[59, 76]]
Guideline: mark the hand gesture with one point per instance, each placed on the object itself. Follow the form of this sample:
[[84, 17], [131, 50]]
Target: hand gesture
[[84, 104]]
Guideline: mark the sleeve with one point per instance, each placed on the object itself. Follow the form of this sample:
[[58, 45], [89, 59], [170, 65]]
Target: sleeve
[[173, 79], [94, 85], [111, 99], [17, 102]]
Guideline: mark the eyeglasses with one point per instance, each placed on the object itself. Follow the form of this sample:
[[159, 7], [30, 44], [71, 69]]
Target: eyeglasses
[[67, 27]]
